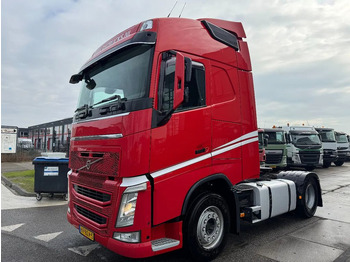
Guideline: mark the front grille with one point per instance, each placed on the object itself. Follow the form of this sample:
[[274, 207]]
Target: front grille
[[99, 196], [91, 215], [96, 163], [309, 157], [273, 158]]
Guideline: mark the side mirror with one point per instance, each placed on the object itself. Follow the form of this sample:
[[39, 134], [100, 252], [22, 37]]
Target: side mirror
[[75, 79], [90, 84], [179, 83], [188, 69], [266, 141]]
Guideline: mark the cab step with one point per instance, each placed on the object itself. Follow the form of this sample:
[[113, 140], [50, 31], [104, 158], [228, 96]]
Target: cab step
[[164, 243]]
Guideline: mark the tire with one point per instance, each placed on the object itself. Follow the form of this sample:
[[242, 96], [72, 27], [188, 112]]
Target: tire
[[307, 205], [39, 197], [206, 226], [339, 163], [326, 164]]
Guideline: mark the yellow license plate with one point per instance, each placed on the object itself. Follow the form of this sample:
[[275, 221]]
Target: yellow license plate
[[87, 233]]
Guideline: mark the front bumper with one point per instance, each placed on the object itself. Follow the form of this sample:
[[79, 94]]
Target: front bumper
[[132, 250], [343, 155], [139, 250], [330, 156]]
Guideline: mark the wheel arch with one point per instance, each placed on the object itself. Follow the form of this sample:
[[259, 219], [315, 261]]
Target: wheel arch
[[220, 184], [298, 177]]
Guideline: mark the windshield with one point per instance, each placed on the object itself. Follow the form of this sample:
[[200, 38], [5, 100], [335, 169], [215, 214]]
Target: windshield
[[123, 76], [276, 137], [306, 139], [341, 138], [327, 136]]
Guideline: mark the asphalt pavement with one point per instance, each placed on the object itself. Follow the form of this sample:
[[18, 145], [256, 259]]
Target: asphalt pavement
[[38, 231]]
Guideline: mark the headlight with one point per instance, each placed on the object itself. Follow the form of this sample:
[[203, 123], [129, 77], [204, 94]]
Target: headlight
[[128, 205]]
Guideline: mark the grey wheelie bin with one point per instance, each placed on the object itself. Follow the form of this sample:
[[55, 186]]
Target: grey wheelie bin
[[50, 176]]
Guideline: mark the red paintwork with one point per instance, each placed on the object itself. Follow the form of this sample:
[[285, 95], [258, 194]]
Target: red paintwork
[[228, 115]]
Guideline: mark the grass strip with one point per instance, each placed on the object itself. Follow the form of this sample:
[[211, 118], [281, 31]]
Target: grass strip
[[24, 179]]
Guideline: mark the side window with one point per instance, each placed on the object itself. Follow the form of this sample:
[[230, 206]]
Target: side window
[[194, 95], [195, 89], [166, 85]]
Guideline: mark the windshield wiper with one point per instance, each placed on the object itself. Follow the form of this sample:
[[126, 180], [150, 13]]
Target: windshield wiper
[[111, 98], [85, 106], [84, 111]]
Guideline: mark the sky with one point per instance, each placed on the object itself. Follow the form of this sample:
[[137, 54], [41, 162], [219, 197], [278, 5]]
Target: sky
[[300, 52]]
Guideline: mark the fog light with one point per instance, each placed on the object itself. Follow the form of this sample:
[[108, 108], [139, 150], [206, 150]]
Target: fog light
[[69, 210], [131, 237]]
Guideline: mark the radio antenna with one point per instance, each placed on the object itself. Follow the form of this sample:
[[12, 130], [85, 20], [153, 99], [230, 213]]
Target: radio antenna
[[182, 10], [172, 9]]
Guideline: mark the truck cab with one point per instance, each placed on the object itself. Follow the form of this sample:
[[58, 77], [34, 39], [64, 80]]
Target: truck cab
[[276, 150], [304, 147], [329, 145], [343, 149]]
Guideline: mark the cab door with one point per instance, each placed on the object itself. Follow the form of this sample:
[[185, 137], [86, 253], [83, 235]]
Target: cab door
[[181, 143]]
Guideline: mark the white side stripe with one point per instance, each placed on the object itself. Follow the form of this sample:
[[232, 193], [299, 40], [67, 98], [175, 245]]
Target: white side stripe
[[209, 155], [223, 150], [246, 136], [181, 165]]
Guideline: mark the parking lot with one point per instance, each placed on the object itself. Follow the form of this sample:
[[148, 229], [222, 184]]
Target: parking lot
[[28, 225]]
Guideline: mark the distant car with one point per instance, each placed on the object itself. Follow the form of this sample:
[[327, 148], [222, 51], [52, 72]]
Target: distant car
[[25, 143]]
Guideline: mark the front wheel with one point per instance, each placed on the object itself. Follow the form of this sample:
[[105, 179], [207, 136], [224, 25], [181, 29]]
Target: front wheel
[[339, 163], [206, 226], [308, 201]]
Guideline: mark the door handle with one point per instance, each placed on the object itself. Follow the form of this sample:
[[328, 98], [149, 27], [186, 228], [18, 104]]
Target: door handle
[[199, 151]]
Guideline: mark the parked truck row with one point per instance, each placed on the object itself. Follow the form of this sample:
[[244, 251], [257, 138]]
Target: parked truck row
[[165, 148], [304, 147]]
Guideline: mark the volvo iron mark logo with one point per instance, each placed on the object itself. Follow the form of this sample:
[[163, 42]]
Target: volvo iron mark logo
[[89, 163]]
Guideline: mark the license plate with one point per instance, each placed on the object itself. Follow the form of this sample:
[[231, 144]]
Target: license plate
[[273, 166], [87, 233]]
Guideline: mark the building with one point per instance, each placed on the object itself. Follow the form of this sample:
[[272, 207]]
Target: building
[[52, 136]]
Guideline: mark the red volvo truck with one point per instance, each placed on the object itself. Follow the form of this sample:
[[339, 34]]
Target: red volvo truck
[[164, 149]]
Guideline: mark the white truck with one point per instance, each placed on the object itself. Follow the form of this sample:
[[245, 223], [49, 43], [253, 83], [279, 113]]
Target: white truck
[[329, 145], [304, 147], [342, 148]]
